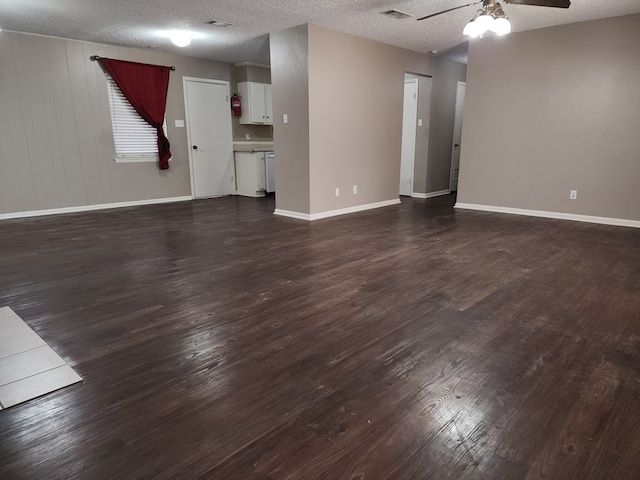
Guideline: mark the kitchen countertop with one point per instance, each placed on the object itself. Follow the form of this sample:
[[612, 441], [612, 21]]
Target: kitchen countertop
[[253, 146]]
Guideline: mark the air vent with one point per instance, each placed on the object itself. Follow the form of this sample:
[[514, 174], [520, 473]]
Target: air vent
[[397, 14], [218, 23]]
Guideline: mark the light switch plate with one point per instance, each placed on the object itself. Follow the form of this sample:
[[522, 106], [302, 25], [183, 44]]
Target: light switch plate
[[179, 123], [285, 118], [419, 122]]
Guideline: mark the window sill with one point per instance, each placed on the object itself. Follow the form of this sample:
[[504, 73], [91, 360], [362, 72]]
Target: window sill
[[138, 159]]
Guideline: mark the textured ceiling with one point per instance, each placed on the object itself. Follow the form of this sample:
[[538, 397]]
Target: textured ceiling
[[137, 23]]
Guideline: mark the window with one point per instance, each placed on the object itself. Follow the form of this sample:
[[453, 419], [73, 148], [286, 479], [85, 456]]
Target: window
[[135, 140]]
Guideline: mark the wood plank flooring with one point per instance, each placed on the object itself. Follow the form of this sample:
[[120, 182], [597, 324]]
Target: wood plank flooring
[[219, 341]]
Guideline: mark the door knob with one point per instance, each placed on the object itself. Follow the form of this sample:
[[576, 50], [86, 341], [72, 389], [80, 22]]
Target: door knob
[[456, 145], [195, 147]]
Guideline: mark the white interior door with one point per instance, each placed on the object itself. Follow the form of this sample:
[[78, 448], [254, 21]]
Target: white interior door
[[457, 136], [409, 121], [210, 137]]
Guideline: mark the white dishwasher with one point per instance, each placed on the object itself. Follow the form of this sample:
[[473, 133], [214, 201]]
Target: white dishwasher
[[270, 164]]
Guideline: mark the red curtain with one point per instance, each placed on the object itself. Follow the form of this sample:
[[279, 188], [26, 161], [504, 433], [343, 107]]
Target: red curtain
[[145, 86]]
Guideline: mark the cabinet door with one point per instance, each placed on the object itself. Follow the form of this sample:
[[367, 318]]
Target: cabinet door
[[256, 97], [268, 104], [250, 174], [262, 173]]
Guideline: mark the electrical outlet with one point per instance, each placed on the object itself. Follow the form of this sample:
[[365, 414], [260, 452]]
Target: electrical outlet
[[573, 194], [247, 136], [355, 189], [337, 192]]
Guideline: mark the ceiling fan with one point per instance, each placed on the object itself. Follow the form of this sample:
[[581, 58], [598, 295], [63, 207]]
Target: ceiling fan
[[491, 16]]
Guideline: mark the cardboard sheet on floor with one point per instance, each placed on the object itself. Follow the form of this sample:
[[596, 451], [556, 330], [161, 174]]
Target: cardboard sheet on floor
[[29, 368]]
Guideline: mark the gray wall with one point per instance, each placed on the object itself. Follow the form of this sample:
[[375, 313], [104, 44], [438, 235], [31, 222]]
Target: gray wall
[[56, 142], [443, 108], [290, 87], [552, 110], [346, 94], [251, 73], [425, 92], [356, 89]]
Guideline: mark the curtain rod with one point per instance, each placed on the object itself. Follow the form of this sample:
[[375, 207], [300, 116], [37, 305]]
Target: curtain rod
[[93, 58]]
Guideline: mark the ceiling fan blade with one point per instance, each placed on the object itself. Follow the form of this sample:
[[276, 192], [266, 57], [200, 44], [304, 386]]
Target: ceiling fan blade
[[449, 10], [541, 3], [538, 3]]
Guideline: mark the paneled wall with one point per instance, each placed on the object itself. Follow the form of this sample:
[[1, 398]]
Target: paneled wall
[[56, 142]]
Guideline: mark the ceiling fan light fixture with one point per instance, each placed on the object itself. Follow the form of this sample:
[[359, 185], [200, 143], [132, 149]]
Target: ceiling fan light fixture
[[471, 29], [501, 26], [478, 26], [490, 18], [484, 22], [180, 38]]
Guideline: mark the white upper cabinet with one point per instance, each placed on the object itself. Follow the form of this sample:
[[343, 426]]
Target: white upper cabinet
[[257, 107], [268, 104]]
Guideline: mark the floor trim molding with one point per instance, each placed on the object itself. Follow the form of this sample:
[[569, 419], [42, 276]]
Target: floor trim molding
[[438, 193], [619, 222], [334, 213], [90, 208], [292, 214]]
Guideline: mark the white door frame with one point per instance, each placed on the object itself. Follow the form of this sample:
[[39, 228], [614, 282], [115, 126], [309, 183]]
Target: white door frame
[[457, 123], [188, 127], [415, 121]]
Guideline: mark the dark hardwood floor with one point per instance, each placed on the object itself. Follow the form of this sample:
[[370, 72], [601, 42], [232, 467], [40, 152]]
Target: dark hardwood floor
[[219, 341]]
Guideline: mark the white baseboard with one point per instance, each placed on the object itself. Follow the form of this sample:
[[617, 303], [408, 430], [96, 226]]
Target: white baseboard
[[90, 208], [292, 214], [334, 213], [619, 222], [439, 193]]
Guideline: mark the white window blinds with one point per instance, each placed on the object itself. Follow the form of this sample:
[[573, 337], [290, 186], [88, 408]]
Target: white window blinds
[[135, 139]]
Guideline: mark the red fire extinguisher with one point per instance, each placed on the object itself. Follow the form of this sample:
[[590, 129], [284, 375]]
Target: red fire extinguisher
[[236, 105]]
